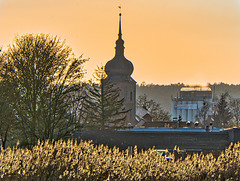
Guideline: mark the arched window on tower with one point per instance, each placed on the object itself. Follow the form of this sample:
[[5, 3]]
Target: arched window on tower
[[130, 96]]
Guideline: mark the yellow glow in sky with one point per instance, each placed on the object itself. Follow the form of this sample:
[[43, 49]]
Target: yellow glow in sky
[[168, 41]]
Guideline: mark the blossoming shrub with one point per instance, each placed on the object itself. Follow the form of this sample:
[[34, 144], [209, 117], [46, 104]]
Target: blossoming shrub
[[61, 160]]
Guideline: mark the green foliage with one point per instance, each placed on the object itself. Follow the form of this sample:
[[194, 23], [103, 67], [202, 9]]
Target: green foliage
[[43, 75], [84, 161], [103, 107], [222, 114], [235, 109], [154, 108]]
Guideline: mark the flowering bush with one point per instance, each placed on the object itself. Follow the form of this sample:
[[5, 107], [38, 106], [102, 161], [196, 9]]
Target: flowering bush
[[69, 160]]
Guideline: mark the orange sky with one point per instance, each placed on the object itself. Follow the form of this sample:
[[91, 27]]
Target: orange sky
[[168, 41]]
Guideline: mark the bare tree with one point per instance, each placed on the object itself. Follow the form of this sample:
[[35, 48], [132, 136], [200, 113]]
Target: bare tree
[[43, 75], [7, 118], [204, 112], [154, 108]]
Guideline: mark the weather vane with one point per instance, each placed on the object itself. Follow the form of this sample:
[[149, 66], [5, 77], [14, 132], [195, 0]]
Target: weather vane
[[120, 8]]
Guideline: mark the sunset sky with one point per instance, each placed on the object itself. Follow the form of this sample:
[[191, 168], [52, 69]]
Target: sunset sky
[[168, 41]]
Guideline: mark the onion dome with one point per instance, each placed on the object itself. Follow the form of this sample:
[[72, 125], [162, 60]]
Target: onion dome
[[119, 65]]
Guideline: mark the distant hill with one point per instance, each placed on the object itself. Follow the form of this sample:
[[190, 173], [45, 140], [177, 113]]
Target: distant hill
[[163, 93]]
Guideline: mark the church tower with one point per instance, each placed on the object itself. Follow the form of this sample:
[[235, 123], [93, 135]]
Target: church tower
[[119, 71]]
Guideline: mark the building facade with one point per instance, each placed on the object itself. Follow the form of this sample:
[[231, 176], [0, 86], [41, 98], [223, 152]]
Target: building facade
[[190, 103], [119, 71]]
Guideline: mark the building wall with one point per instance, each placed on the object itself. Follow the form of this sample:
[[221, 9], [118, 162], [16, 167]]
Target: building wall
[[199, 141], [189, 104], [186, 109], [128, 92]]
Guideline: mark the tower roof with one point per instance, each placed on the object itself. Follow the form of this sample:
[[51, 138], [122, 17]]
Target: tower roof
[[119, 65]]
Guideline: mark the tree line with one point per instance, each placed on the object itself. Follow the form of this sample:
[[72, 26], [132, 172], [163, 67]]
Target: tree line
[[162, 94], [225, 112]]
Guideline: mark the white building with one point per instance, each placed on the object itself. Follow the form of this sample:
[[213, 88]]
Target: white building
[[190, 102]]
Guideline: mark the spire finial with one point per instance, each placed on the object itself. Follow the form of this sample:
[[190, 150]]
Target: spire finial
[[120, 9], [119, 43], [120, 28]]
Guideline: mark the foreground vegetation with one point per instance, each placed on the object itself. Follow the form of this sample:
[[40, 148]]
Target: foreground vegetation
[[85, 161]]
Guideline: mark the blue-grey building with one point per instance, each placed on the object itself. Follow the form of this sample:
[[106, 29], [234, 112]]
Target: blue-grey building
[[190, 102]]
